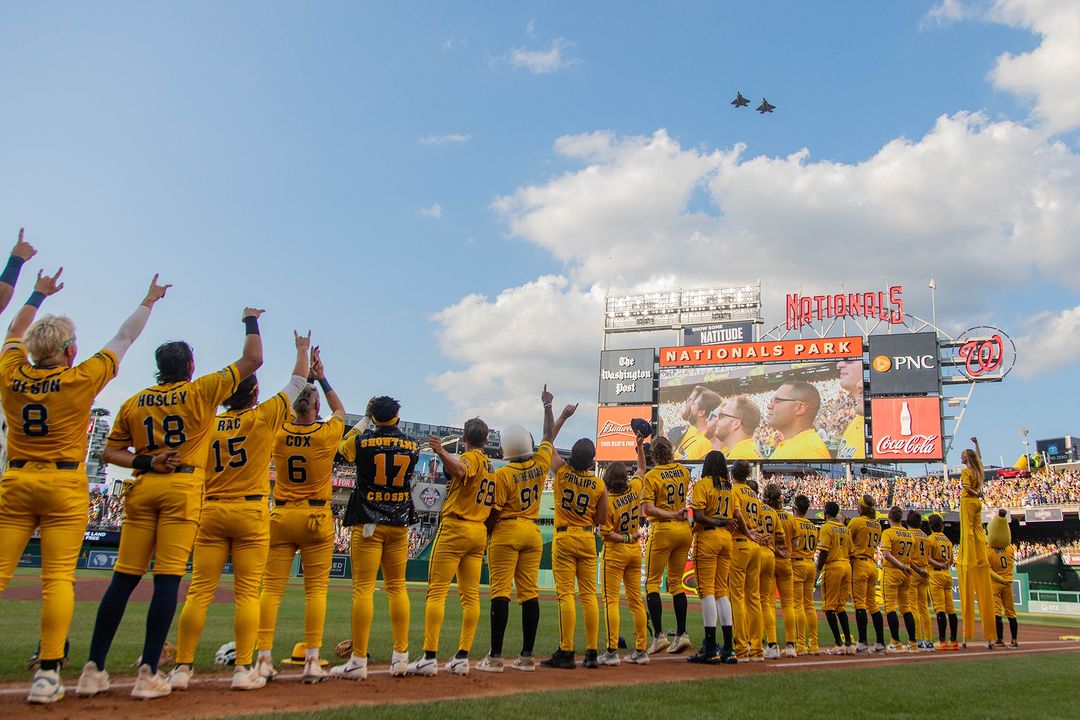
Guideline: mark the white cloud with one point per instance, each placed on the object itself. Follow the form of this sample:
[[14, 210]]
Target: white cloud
[[452, 43], [951, 11], [1052, 342], [530, 29], [541, 62], [447, 139], [435, 211]]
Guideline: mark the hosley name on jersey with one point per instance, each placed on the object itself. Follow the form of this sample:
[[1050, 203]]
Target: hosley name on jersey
[[162, 399]]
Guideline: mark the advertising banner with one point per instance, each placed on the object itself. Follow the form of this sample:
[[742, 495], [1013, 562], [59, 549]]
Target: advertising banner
[[782, 412], [614, 438], [768, 351], [1043, 514], [626, 376], [1056, 449], [903, 364], [906, 428], [428, 496], [721, 334]]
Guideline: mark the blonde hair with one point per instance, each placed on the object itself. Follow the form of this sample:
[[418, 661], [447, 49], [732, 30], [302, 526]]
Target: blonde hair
[[307, 400], [48, 337]]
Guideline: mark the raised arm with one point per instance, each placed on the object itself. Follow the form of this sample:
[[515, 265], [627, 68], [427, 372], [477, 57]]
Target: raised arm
[[22, 252], [978, 450], [332, 399], [452, 463], [639, 444], [131, 329], [252, 359], [300, 368], [549, 417], [43, 288], [561, 420]]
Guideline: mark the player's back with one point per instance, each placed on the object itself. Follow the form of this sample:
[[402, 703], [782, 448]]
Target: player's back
[[770, 526], [576, 496], [787, 525], [666, 486], [710, 500], [624, 509], [746, 500], [471, 496], [804, 539], [899, 542], [941, 549], [518, 485], [865, 536], [241, 445], [920, 548], [304, 460], [1002, 561], [834, 538], [48, 409]]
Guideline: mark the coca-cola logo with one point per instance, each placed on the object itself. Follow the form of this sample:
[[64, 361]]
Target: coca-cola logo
[[613, 428], [913, 445]]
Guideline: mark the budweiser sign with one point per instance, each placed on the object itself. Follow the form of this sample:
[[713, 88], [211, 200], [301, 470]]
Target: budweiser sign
[[887, 306], [614, 438], [906, 428]]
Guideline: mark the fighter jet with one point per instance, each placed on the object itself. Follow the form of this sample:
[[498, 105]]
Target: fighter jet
[[740, 101], [765, 107]]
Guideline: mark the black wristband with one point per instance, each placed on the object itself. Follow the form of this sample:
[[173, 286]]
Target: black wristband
[[11, 272], [36, 298], [325, 386], [144, 463], [251, 325]]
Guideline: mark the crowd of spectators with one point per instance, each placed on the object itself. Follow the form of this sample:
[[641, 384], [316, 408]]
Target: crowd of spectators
[[1046, 487], [106, 511]]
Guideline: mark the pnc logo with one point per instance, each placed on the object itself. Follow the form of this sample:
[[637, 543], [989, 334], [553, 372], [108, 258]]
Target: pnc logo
[[882, 364]]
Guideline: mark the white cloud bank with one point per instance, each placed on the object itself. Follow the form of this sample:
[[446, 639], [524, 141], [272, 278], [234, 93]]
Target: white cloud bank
[[541, 62]]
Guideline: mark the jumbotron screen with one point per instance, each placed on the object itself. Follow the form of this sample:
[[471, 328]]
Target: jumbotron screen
[[803, 412]]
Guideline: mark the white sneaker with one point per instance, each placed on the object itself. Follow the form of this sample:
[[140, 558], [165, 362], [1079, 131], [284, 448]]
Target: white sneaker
[[757, 658], [457, 666], [862, 649], [836, 650], [895, 649], [771, 653], [92, 681], [313, 672], [490, 664], [789, 652], [354, 669], [149, 685], [611, 659], [265, 666], [524, 663], [180, 677], [659, 644], [923, 646], [399, 664], [681, 644], [247, 678], [849, 649], [638, 657], [424, 666], [877, 649], [46, 688]]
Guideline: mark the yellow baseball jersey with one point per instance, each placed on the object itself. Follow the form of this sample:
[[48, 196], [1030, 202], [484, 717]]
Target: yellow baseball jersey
[[694, 445], [666, 486], [804, 539], [970, 484], [807, 445], [174, 416], [787, 525], [1002, 562], [941, 549], [920, 549], [853, 441], [48, 409], [710, 500], [624, 510], [743, 450], [836, 539], [576, 497], [304, 459], [899, 542], [744, 500], [471, 496], [518, 485], [770, 525], [865, 536], [241, 444]]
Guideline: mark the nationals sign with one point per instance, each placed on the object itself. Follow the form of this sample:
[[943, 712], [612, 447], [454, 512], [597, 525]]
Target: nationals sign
[[806, 309], [759, 352], [614, 438], [906, 428]]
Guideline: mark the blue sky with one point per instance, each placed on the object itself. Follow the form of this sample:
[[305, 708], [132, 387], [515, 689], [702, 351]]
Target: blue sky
[[435, 188]]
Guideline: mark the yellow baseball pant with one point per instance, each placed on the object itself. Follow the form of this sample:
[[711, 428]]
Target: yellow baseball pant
[[743, 589], [864, 576], [161, 517], [667, 548], [836, 586], [767, 591], [973, 571], [308, 528], [1003, 600], [712, 562], [514, 553], [40, 495], [896, 585], [573, 557], [240, 528], [785, 586], [621, 563], [804, 574], [941, 591], [458, 549], [386, 549], [918, 598]]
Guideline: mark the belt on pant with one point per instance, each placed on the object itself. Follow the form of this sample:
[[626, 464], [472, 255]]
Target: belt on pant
[[572, 528], [656, 521], [61, 465], [523, 519], [863, 557], [312, 503], [250, 498], [741, 539], [706, 529]]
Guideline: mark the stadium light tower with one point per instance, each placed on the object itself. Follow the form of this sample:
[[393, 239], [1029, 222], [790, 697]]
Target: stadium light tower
[[1024, 436]]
